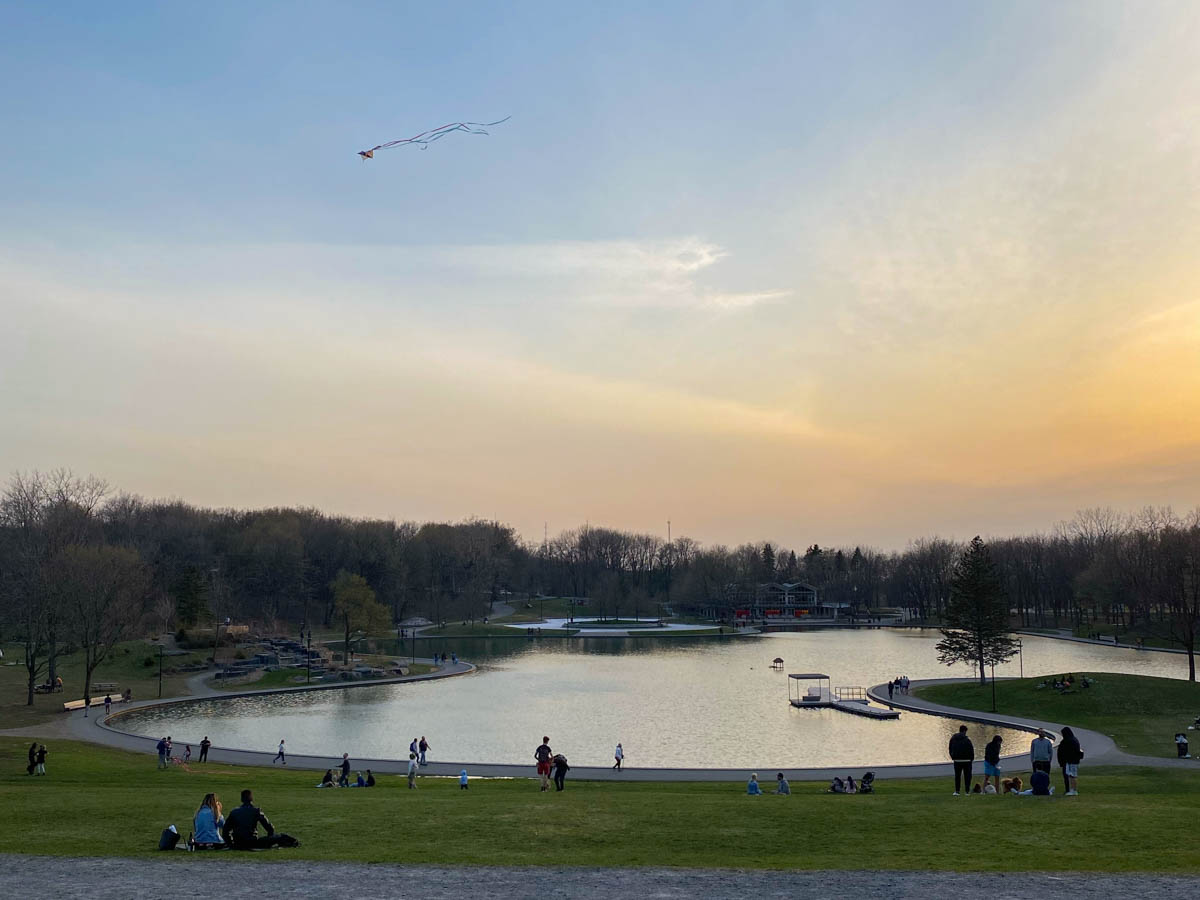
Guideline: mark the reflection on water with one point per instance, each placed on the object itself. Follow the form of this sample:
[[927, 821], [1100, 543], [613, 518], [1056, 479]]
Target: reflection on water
[[675, 702]]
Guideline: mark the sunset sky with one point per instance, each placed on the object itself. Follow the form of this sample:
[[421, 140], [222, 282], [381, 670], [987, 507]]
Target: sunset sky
[[833, 272]]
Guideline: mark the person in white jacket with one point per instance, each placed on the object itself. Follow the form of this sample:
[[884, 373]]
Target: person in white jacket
[[618, 755]]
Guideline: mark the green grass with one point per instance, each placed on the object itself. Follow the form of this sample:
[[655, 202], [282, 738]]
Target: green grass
[[550, 608], [126, 667], [99, 800], [1140, 713], [478, 629]]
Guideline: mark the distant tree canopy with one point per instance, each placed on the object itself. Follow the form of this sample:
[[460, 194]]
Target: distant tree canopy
[[277, 568]]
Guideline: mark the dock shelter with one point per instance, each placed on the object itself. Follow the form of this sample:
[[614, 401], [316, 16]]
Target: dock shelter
[[812, 693]]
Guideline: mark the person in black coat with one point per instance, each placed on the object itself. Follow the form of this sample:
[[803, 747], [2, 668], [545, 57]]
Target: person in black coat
[[1070, 754], [962, 753], [560, 770]]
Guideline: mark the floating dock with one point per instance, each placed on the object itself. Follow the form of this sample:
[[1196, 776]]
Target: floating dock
[[822, 696]]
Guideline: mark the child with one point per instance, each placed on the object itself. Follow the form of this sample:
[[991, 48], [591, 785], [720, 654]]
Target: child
[[187, 753], [412, 771], [462, 780], [752, 787]]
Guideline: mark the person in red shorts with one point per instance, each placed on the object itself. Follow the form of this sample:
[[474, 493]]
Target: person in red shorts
[[543, 755]]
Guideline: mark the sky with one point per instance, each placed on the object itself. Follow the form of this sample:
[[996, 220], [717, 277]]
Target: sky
[[830, 272]]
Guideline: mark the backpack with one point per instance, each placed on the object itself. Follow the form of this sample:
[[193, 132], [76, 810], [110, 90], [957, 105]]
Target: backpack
[[286, 840], [168, 839]]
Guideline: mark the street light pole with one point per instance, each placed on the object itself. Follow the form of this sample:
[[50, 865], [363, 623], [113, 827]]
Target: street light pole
[[1021, 655], [308, 658], [993, 687]]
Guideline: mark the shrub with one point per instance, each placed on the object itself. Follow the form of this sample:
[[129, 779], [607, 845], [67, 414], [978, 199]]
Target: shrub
[[148, 661]]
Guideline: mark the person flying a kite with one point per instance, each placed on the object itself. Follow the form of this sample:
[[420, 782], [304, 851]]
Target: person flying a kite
[[425, 138]]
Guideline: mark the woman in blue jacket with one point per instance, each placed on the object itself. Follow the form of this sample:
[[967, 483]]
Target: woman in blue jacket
[[208, 821]]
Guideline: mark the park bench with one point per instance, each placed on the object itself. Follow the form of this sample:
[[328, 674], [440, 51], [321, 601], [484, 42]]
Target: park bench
[[104, 686], [72, 705]]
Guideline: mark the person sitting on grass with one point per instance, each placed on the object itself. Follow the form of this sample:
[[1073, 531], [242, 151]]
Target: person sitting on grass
[[1039, 784], [837, 786], [207, 823], [370, 779], [851, 787], [327, 780], [752, 787], [240, 830], [781, 785], [359, 781]]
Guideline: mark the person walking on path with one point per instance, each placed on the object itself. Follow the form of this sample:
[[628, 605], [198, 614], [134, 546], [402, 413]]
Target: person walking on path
[[619, 756], [280, 756], [991, 762], [204, 745], [107, 704], [560, 770], [1041, 752], [543, 755], [344, 781], [41, 760], [423, 747], [1070, 754], [415, 748], [891, 688], [962, 753]]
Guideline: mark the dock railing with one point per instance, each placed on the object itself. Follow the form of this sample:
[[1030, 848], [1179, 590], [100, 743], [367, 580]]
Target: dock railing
[[850, 693]]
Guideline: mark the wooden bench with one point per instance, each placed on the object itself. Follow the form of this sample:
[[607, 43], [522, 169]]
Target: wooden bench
[[105, 687], [72, 705]]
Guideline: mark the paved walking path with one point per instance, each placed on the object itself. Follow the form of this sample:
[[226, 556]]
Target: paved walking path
[[1065, 635], [237, 875]]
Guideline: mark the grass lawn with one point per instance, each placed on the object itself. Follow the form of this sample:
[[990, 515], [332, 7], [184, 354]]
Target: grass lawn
[[1140, 713], [126, 667], [115, 803], [478, 629]]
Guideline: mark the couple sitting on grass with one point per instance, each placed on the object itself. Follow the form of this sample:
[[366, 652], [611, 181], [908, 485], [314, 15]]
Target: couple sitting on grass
[[781, 785], [239, 830]]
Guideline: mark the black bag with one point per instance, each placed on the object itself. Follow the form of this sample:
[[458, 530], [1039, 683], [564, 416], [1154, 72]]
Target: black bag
[[286, 840], [168, 840]]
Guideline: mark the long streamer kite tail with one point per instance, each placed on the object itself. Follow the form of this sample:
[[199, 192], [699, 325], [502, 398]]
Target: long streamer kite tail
[[425, 138]]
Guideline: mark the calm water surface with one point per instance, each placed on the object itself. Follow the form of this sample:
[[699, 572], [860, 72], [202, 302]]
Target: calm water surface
[[674, 702]]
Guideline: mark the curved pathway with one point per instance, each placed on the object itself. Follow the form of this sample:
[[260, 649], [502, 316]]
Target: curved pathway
[[1100, 748]]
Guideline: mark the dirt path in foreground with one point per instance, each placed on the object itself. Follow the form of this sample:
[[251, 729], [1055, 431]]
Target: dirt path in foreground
[[230, 875]]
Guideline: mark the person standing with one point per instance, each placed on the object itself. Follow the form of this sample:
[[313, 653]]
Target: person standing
[[32, 767], [107, 704], [344, 781], [41, 760], [543, 755], [415, 748], [962, 754], [560, 770], [280, 756], [204, 745], [991, 762], [423, 747], [1070, 754], [161, 747], [1041, 752], [187, 753], [619, 756], [412, 771], [892, 688]]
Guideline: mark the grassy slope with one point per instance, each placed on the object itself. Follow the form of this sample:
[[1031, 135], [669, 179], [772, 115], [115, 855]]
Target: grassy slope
[[101, 800], [1140, 713], [126, 667]]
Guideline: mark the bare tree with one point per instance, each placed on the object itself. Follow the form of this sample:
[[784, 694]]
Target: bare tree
[[103, 590]]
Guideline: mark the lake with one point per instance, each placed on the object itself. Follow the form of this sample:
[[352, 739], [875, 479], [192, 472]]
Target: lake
[[676, 702]]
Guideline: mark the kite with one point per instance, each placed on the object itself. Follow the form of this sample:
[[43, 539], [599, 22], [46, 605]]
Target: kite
[[425, 138]]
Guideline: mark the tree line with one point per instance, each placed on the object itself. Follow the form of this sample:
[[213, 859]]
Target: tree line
[[85, 566]]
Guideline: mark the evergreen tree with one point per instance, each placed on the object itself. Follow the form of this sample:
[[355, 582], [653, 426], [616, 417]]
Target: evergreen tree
[[768, 563], [977, 613]]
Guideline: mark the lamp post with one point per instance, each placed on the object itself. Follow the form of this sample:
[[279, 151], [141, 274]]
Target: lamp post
[[993, 687], [308, 658], [1021, 655]]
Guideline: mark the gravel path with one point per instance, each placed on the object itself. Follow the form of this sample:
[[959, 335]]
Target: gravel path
[[225, 876]]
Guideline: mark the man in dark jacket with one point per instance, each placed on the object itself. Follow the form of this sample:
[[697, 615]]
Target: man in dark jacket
[[241, 826], [962, 753]]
